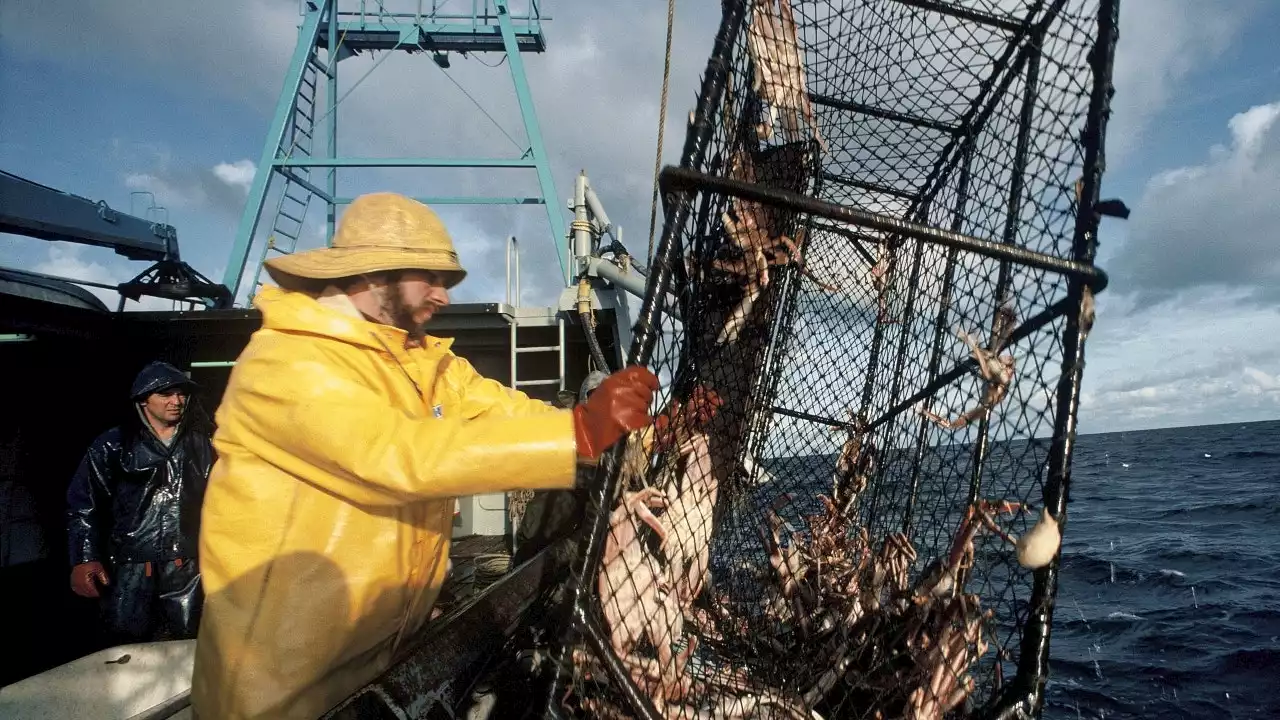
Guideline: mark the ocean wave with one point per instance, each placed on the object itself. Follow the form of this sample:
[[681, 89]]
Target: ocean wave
[[1250, 661], [1250, 455], [1268, 507]]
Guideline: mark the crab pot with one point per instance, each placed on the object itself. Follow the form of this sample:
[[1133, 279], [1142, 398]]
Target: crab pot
[[824, 519]]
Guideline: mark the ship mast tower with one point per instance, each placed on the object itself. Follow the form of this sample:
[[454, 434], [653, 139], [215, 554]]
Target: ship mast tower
[[300, 159]]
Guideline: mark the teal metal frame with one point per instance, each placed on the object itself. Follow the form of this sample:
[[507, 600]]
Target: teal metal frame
[[287, 154]]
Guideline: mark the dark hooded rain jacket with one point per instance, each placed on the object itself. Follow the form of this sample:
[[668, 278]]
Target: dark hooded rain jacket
[[135, 500]]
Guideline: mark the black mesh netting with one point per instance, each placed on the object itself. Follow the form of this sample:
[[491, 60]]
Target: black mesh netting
[[868, 308]]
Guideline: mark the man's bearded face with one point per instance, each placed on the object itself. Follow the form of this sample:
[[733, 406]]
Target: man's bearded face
[[412, 300]]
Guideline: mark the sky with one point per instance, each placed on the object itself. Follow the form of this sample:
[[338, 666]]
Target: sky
[[109, 99]]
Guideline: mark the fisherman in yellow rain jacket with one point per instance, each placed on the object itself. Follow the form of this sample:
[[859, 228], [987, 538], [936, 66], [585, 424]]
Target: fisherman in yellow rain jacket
[[343, 438]]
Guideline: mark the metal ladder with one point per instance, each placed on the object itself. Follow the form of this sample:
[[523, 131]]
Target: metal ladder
[[295, 199], [513, 302]]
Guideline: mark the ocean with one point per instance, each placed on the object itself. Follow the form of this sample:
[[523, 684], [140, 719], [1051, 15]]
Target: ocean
[[1169, 597], [1169, 605]]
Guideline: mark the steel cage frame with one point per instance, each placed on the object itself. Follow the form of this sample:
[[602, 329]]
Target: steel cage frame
[[1024, 695]]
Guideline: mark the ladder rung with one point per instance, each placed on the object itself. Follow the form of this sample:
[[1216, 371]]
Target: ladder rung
[[296, 200], [303, 113], [298, 129], [539, 348], [297, 220], [296, 149], [537, 382]]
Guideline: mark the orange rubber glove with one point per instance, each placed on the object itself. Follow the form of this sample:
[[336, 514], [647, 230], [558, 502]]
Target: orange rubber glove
[[83, 577], [676, 424], [619, 406]]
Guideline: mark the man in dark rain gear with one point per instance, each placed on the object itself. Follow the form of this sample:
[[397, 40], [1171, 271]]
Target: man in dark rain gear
[[133, 512]]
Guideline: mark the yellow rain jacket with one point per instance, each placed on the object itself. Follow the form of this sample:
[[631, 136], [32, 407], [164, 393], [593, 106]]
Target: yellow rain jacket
[[326, 525]]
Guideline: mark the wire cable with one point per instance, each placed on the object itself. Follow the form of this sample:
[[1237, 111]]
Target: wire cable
[[662, 124]]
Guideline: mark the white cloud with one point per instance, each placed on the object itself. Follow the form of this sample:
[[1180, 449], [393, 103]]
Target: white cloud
[[220, 189], [1162, 43], [167, 194], [1261, 380], [238, 174], [1209, 225], [1198, 358]]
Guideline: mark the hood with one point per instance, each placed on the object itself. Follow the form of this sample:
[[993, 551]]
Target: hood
[[155, 377], [332, 316]]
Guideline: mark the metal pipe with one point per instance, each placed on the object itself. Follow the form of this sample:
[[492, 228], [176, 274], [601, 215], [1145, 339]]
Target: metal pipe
[[597, 209], [963, 13], [631, 283], [989, 95], [331, 97], [883, 114], [939, 332], [581, 227], [614, 274], [513, 251], [560, 330], [1033, 323], [679, 178], [213, 363], [514, 354]]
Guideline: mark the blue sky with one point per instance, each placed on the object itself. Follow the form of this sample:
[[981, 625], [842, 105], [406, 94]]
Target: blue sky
[[175, 98]]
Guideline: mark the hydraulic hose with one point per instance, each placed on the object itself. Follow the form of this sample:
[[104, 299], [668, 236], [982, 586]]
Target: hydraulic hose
[[589, 324]]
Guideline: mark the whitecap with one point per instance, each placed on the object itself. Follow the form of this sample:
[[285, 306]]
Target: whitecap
[[1173, 573], [1122, 616]]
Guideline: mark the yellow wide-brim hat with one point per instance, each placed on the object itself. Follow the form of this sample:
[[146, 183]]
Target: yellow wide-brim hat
[[378, 232]]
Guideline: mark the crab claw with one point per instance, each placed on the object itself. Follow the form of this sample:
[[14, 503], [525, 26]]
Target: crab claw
[[694, 414], [640, 503], [704, 404]]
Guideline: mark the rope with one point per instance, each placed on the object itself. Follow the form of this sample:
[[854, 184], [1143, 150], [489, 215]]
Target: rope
[[662, 123]]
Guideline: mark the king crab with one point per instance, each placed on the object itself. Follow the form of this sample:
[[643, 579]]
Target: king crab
[[880, 282], [637, 602], [747, 227], [996, 371], [779, 78], [855, 465], [947, 659], [944, 579]]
